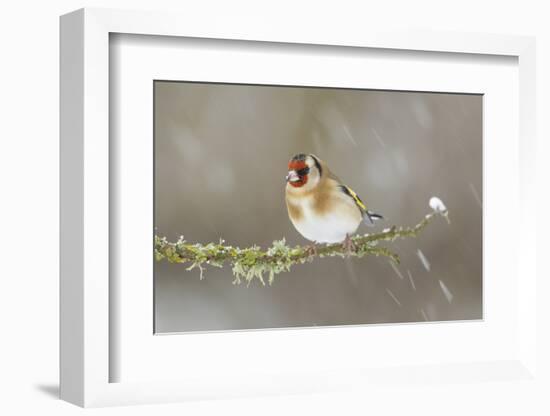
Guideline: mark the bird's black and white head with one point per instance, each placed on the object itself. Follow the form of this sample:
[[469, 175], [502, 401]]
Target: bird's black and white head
[[304, 172]]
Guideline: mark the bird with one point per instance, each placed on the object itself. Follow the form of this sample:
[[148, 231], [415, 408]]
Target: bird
[[320, 206]]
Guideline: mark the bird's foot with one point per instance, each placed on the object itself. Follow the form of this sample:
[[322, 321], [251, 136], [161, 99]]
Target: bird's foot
[[311, 250], [349, 245]]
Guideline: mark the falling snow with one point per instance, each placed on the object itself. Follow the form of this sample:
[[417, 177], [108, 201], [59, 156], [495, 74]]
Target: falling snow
[[446, 292], [378, 138], [423, 259], [348, 135], [475, 194], [393, 297], [396, 270], [424, 315], [411, 279]]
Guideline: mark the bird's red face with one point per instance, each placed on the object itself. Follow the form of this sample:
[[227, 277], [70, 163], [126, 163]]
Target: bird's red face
[[298, 171]]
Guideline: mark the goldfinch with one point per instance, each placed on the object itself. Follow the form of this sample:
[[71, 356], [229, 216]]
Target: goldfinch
[[320, 207]]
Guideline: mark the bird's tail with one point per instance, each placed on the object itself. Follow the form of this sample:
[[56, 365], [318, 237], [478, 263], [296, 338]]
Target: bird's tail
[[370, 217]]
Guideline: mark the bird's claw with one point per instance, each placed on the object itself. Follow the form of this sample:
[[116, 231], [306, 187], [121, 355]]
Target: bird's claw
[[311, 250], [349, 245]]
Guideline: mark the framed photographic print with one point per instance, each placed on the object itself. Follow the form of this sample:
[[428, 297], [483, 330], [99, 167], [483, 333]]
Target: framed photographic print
[[215, 179], [250, 213]]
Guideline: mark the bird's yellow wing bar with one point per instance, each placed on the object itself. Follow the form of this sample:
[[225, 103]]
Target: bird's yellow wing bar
[[355, 197]]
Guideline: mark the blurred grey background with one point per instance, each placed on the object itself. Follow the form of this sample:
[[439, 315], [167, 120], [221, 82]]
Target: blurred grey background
[[221, 154]]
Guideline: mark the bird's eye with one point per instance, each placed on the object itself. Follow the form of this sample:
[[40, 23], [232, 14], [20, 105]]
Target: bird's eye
[[303, 172]]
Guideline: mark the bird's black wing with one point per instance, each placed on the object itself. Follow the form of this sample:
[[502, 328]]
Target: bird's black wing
[[368, 216]]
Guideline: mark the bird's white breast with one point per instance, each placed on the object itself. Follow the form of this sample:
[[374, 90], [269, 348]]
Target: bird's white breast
[[329, 227]]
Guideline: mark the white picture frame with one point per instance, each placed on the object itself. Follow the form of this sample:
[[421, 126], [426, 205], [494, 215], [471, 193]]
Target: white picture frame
[[86, 305]]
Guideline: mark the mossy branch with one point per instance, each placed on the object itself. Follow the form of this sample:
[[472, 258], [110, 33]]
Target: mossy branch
[[253, 262]]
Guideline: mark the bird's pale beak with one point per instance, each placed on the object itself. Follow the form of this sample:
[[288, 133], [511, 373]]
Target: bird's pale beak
[[292, 176]]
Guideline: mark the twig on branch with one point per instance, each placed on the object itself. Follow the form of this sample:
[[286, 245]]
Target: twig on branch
[[253, 262]]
